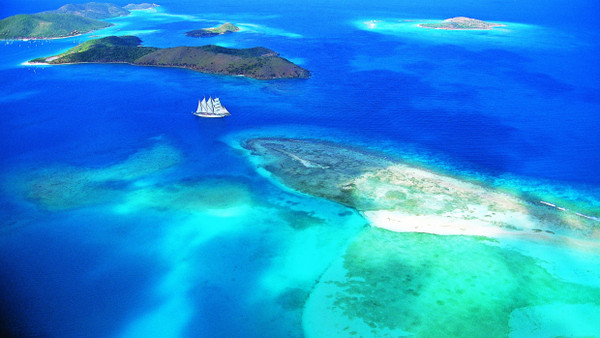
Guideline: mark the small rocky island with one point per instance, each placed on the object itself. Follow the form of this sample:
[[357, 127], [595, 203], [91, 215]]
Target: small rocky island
[[225, 28], [461, 23], [140, 7], [258, 62]]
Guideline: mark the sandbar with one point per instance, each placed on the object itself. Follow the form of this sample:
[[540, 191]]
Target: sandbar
[[400, 197]]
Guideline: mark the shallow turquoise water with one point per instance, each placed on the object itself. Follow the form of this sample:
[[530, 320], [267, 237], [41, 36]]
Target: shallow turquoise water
[[196, 241]]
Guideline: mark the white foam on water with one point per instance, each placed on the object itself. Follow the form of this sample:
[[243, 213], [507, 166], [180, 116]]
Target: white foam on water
[[262, 29]]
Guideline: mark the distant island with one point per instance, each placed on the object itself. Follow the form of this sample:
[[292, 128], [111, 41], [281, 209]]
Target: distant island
[[47, 26], [461, 23], [69, 20], [93, 10], [225, 28], [258, 62], [140, 7]]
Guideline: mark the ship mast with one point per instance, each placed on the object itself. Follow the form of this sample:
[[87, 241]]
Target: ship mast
[[201, 105], [210, 106]]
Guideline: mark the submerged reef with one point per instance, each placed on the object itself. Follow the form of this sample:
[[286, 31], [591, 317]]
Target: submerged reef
[[60, 187], [391, 284], [400, 197], [208, 195], [504, 264]]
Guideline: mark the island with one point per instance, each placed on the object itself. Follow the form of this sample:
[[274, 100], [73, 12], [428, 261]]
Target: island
[[258, 62], [47, 25], [225, 28], [140, 7], [66, 21], [461, 23], [93, 10]]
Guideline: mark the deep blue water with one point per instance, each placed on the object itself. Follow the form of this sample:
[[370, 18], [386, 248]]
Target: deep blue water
[[523, 107]]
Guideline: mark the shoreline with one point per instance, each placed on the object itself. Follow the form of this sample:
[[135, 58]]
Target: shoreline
[[58, 37], [27, 63], [49, 38], [437, 225]]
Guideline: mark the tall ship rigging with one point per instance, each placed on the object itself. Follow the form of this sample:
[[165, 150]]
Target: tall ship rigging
[[211, 108]]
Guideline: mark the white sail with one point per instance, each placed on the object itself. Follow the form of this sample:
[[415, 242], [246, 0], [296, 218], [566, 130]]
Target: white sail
[[201, 106], [211, 108], [219, 109]]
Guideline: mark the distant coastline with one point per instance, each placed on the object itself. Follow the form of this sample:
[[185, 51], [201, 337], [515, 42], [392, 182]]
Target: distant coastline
[[65, 22], [44, 39]]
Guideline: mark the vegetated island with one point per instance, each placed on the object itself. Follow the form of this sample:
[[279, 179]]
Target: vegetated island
[[461, 23], [47, 26], [93, 10], [67, 21], [225, 28], [258, 62]]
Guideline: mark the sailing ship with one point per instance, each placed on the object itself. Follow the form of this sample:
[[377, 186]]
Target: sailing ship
[[211, 108]]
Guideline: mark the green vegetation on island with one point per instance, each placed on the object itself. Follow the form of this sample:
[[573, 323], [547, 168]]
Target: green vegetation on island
[[258, 63], [93, 10], [68, 20], [214, 31], [461, 23], [47, 25], [111, 49]]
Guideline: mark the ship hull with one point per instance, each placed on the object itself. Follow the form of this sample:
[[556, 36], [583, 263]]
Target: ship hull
[[208, 115]]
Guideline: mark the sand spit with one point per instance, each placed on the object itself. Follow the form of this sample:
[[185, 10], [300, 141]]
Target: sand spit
[[403, 198]]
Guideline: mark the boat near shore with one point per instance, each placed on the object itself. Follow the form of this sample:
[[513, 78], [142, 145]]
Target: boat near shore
[[211, 108]]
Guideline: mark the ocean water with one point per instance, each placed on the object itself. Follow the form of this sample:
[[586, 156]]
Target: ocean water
[[124, 215]]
